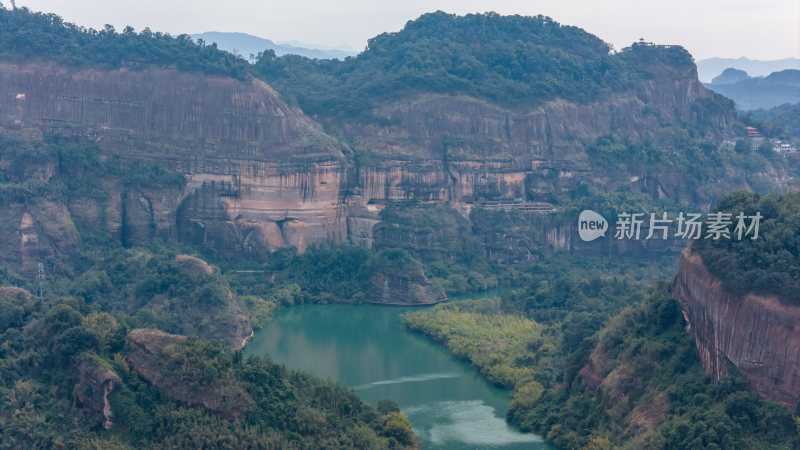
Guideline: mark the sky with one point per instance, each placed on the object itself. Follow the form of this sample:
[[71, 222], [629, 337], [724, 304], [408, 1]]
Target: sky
[[756, 29]]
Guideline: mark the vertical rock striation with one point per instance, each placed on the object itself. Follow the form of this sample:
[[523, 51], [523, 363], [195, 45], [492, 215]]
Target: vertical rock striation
[[262, 175], [758, 334]]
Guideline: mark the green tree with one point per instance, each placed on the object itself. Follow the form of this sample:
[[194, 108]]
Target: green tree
[[386, 406], [397, 425]]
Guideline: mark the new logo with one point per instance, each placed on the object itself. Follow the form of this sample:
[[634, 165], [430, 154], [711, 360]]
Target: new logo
[[591, 225]]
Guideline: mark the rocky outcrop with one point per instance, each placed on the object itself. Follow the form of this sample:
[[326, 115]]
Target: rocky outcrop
[[158, 114], [758, 334], [404, 287], [34, 231], [213, 312], [261, 175], [152, 355], [95, 381]]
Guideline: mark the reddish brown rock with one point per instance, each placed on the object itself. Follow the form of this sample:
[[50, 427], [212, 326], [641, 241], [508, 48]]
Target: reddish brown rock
[[95, 381], [262, 175], [758, 334], [158, 114]]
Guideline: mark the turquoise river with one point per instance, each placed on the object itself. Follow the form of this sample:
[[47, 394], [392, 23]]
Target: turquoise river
[[367, 348]]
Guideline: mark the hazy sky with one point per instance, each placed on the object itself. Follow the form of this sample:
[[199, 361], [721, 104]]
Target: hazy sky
[[757, 29]]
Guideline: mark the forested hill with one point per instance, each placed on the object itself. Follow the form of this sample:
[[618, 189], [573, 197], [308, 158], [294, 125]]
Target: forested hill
[[510, 60], [27, 36], [768, 265]]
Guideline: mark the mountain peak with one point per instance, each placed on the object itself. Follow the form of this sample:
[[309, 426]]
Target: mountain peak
[[730, 75]]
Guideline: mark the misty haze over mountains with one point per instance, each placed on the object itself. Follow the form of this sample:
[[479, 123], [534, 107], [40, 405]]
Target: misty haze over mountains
[[245, 45], [176, 207], [711, 67], [748, 92]]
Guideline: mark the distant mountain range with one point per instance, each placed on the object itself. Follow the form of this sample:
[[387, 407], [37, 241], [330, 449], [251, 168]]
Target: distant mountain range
[[749, 92], [711, 67], [246, 45]]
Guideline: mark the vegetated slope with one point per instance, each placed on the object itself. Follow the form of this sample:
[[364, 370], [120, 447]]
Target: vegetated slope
[[769, 265], [643, 387], [27, 36], [485, 104], [508, 60], [67, 384], [585, 374], [787, 116]]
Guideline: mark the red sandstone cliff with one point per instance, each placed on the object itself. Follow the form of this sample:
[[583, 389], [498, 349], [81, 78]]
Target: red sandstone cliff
[[262, 175], [159, 114], [759, 335]]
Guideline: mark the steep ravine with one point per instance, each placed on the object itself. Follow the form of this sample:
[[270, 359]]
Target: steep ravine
[[758, 334]]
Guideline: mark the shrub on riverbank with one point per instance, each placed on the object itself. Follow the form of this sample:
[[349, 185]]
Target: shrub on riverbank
[[505, 348]]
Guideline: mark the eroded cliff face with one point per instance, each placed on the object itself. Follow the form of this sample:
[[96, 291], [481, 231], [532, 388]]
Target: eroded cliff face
[[758, 334], [467, 140], [158, 113], [32, 232], [263, 206], [261, 175]]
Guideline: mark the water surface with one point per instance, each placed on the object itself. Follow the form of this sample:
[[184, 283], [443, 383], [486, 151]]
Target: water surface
[[367, 348]]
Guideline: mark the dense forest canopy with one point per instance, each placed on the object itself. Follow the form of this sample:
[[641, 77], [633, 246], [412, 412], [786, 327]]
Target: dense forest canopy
[[767, 265], [27, 36], [786, 116], [510, 60], [48, 345]]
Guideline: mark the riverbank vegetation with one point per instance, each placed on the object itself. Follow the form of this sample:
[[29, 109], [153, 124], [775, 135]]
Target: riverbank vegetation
[[603, 361], [59, 356], [505, 348], [321, 274]]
